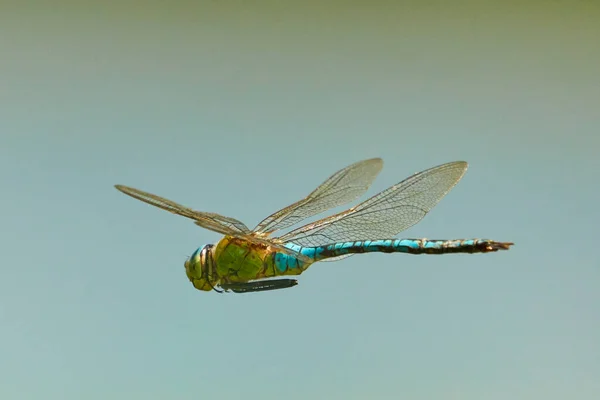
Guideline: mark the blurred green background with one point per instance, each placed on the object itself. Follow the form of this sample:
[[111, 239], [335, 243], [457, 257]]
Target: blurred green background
[[242, 107]]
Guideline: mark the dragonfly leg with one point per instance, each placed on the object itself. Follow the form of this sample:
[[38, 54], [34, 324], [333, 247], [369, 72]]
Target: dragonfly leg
[[259, 286]]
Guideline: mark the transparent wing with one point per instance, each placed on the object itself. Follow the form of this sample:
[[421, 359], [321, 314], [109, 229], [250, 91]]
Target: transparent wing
[[386, 214], [340, 188], [214, 222], [338, 258]]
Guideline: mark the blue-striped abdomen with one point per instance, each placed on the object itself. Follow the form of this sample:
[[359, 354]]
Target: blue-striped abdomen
[[288, 265], [410, 246]]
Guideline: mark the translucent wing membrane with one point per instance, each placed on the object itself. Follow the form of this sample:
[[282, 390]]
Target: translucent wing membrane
[[341, 188], [214, 222], [386, 214]]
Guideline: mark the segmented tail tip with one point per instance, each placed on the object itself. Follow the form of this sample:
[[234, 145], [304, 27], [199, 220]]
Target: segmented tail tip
[[495, 246]]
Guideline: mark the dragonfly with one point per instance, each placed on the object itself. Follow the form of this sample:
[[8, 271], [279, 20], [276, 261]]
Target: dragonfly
[[245, 260]]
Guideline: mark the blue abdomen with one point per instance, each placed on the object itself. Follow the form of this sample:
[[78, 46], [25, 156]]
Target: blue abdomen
[[290, 265]]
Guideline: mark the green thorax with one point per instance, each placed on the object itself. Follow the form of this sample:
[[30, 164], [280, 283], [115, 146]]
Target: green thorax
[[237, 260]]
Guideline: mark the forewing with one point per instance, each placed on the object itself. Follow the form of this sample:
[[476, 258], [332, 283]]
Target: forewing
[[340, 188], [214, 222], [386, 214]]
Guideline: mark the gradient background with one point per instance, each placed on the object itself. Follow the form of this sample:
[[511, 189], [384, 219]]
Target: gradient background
[[244, 107]]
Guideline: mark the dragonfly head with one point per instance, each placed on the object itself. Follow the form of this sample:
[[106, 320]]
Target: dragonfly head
[[199, 268]]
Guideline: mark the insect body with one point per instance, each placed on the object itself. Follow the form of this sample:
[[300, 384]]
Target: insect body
[[247, 260]]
